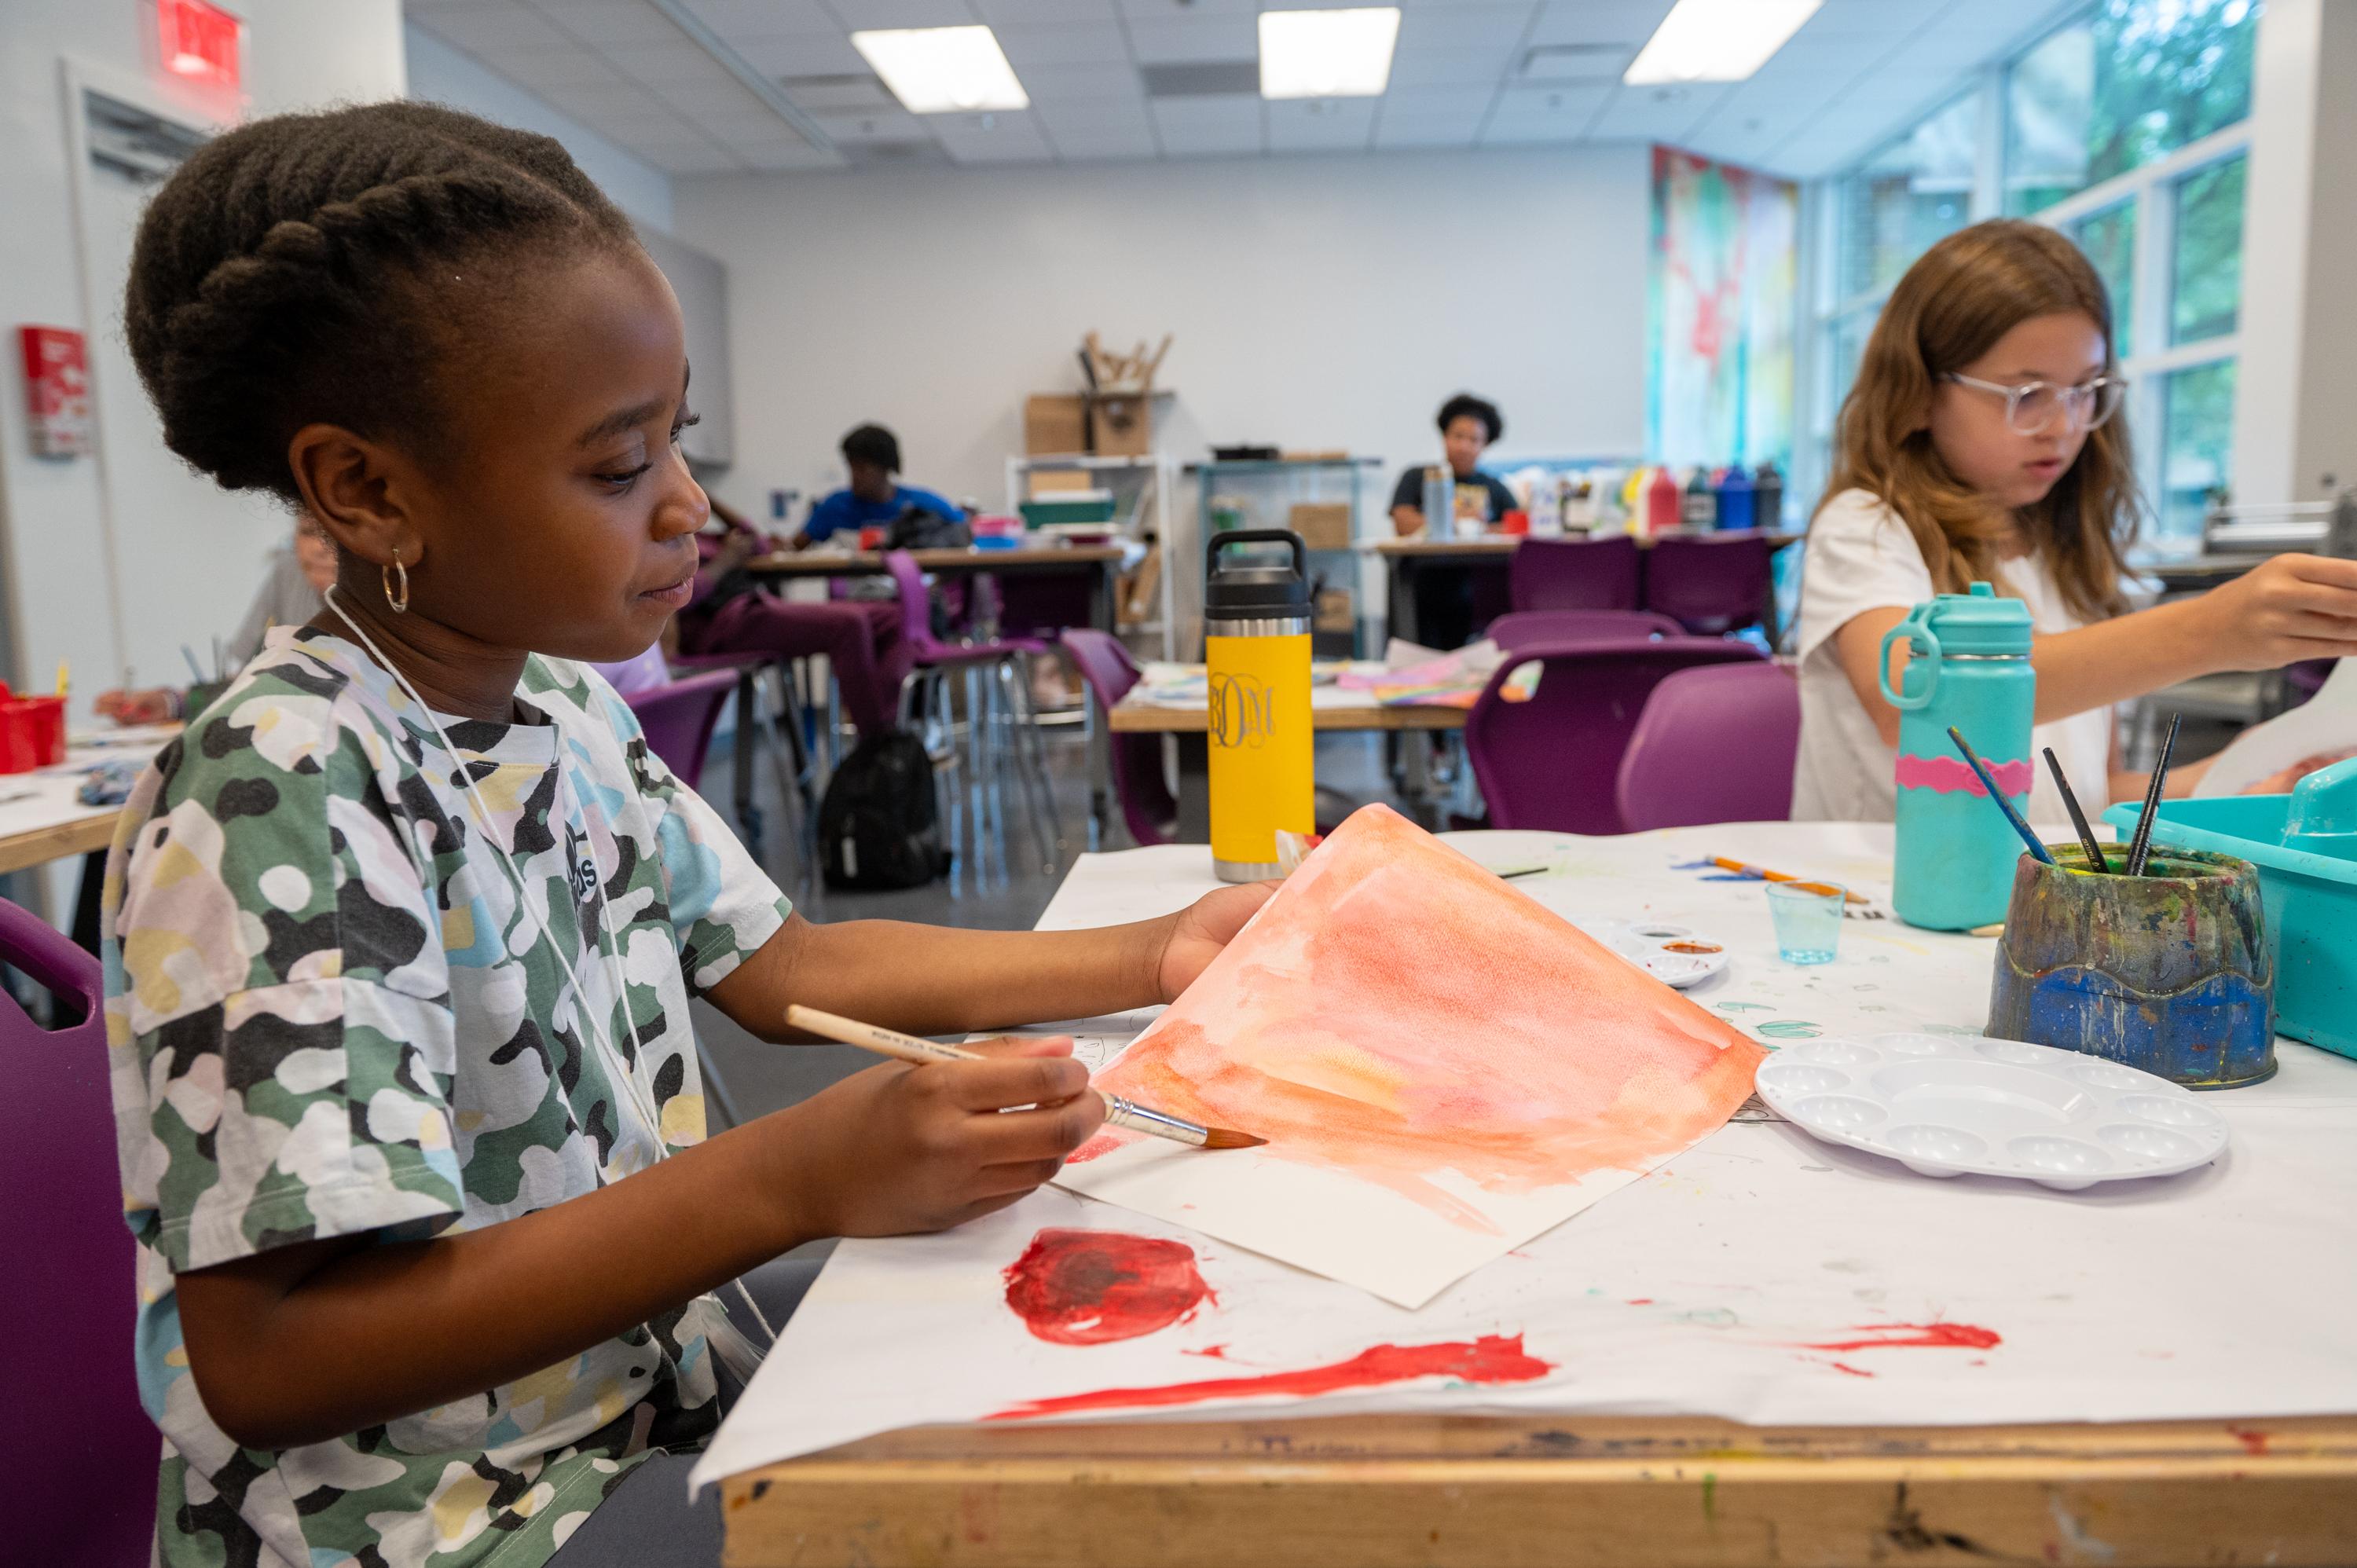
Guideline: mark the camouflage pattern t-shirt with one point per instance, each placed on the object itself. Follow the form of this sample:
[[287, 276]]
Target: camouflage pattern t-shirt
[[329, 1016]]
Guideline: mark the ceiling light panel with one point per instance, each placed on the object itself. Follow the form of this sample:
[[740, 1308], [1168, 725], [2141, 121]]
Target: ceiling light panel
[[1718, 40], [942, 70], [1327, 54]]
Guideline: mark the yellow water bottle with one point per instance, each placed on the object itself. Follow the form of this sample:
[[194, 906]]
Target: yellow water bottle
[[1256, 644]]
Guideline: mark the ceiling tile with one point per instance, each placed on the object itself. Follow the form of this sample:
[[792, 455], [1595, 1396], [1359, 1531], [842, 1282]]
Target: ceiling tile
[[1084, 43], [678, 63], [1104, 146], [1655, 113], [1196, 37], [1167, 10], [1009, 138], [736, 124], [1627, 22], [854, 94], [615, 100], [1465, 28], [611, 21], [802, 54], [1320, 124], [700, 159], [1432, 116], [784, 156], [1044, 13], [494, 29], [1449, 67], [894, 125], [858, 15], [733, 20], [573, 65], [1527, 114], [1883, 18], [1066, 123], [1225, 123], [1417, 130], [1079, 83]]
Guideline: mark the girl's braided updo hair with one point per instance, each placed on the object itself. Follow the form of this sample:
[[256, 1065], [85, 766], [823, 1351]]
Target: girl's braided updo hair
[[323, 268]]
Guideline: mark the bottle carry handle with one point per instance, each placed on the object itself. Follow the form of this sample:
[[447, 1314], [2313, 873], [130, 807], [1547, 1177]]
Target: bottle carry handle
[[1921, 643], [1257, 536]]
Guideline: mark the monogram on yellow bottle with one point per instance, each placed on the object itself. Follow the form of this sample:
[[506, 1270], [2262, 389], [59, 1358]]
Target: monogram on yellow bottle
[[1256, 647]]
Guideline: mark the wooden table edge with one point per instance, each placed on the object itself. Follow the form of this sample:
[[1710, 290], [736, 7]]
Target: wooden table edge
[[38, 846], [1148, 719]]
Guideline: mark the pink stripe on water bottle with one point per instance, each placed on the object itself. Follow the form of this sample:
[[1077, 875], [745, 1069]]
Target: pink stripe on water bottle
[[1944, 775]]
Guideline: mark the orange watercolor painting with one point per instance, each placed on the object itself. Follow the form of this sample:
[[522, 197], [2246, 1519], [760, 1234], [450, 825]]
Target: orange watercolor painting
[[1397, 1011]]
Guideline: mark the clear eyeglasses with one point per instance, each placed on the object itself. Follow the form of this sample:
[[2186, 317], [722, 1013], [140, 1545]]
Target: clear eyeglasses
[[2031, 408]]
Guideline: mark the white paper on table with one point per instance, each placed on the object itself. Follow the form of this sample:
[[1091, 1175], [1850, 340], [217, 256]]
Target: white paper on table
[[1760, 1277], [2326, 722]]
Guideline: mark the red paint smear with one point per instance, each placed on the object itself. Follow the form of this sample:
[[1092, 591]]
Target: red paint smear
[[1642, 1301], [1093, 1287], [1102, 1144], [1916, 1336], [2254, 1442], [1491, 1359], [1852, 1371], [1211, 1352]]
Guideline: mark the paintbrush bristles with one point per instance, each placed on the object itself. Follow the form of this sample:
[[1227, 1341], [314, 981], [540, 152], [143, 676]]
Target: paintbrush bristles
[[1228, 1138]]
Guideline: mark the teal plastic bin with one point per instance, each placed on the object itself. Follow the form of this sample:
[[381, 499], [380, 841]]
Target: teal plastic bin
[[2310, 899]]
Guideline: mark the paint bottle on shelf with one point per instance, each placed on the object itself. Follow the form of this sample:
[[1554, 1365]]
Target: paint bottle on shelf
[[1257, 649], [1767, 496], [1736, 497], [1701, 510], [1664, 501], [1968, 666]]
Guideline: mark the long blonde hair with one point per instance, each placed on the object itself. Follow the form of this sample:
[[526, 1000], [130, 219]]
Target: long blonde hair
[[1955, 302]]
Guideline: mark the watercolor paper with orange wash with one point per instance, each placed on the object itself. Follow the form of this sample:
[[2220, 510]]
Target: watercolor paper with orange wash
[[1443, 1068]]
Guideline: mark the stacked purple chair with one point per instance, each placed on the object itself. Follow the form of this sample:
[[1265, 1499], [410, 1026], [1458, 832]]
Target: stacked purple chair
[[78, 1455], [678, 720], [997, 699], [1552, 762], [1576, 573], [1148, 807], [1715, 744], [1711, 584]]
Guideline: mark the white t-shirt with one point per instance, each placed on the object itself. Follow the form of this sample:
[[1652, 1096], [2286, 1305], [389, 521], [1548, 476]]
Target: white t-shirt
[[1862, 557]]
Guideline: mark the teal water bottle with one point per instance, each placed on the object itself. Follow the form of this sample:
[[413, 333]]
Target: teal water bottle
[[1967, 665]]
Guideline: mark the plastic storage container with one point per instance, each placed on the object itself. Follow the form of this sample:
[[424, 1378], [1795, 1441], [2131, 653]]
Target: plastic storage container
[[2310, 902]]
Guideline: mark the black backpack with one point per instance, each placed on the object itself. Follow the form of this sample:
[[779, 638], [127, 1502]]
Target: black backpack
[[879, 825]]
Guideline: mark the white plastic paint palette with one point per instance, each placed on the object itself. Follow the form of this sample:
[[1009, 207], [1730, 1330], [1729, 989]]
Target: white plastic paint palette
[[1672, 954], [1942, 1106]]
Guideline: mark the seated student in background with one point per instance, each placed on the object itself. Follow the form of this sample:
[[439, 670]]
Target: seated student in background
[[1983, 440], [400, 942], [299, 571], [1444, 594], [874, 498], [731, 612]]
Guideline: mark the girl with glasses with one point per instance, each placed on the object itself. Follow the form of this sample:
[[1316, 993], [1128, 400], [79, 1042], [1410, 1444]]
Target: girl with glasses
[[1983, 440]]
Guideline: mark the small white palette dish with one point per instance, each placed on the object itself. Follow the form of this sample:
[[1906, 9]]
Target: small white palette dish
[[1942, 1106], [1672, 954]]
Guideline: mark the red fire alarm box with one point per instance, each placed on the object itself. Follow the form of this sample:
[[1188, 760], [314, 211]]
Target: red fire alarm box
[[198, 41], [57, 391]]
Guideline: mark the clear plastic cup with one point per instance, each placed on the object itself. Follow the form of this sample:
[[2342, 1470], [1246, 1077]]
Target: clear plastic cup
[[1808, 917]]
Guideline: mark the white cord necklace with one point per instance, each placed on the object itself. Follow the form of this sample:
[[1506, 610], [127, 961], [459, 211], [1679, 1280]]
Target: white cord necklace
[[641, 1101]]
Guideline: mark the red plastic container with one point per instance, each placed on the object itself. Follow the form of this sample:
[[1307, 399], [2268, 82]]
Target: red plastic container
[[871, 538], [32, 732], [1516, 523]]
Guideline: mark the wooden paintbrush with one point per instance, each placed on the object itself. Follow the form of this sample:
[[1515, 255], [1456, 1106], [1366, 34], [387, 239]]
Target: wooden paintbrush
[[2087, 844], [1119, 1112]]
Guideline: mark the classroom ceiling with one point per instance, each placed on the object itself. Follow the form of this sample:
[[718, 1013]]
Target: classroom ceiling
[[721, 86]]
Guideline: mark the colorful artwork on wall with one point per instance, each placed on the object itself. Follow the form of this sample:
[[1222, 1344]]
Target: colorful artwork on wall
[[1723, 306]]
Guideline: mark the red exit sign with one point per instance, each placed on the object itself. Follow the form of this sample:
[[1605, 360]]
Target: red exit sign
[[198, 42]]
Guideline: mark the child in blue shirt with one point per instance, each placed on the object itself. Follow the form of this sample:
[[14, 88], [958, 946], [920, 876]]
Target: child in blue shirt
[[874, 498]]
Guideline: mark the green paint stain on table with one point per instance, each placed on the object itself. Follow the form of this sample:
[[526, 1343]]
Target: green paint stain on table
[[1745, 1007], [1790, 1029], [1710, 1497]]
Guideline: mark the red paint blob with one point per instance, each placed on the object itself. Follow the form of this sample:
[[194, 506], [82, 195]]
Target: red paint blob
[[1102, 1144], [1093, 1287], [1492, 1358], [2254, 1442], [1852, 1371], [1916, 1336]]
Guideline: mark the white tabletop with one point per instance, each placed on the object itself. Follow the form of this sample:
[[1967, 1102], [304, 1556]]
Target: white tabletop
[[1762, 1276], [45, 799]]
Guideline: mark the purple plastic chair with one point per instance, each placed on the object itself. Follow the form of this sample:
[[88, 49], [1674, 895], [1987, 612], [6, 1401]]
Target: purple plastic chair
[[1550, 762], [1040, 604], [1710, 584], [1713, 745], [678, 719], [1576, 573], [78, 1462], [1004, 696], [1147, 806], [1512, 631]]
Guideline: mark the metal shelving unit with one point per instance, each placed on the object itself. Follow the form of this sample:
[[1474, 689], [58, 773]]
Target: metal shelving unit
[[1263, 492], [1142, 486]]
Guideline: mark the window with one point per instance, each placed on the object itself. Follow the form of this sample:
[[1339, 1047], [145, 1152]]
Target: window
[[2206, 274], [2109, 240], [2128, 85], [2197, 440], [1906, 195]]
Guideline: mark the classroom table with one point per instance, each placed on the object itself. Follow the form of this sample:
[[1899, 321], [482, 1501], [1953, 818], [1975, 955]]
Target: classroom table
[[1403, 558], [1332, 710], [40, 820], [1627, 1479], [1101, 562]]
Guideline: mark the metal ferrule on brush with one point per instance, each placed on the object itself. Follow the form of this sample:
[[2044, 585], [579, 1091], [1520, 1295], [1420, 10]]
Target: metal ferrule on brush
[[1136, 1118]]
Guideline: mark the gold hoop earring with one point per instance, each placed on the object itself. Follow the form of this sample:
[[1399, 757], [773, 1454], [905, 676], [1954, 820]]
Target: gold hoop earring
[[398, 599]]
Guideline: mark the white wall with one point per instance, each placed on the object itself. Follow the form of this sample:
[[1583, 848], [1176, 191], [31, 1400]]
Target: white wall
[[1317, 303], [63, 598], [440, 74]]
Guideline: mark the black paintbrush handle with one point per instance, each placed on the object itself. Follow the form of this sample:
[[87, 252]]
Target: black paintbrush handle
[[2095, 852], [2140, 849]]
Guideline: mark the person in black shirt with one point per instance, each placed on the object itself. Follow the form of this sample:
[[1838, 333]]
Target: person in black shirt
[[1445, 612]]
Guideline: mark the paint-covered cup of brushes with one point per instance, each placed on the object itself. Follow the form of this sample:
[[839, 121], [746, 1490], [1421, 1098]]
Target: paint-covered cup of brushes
[[2168, 972]]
